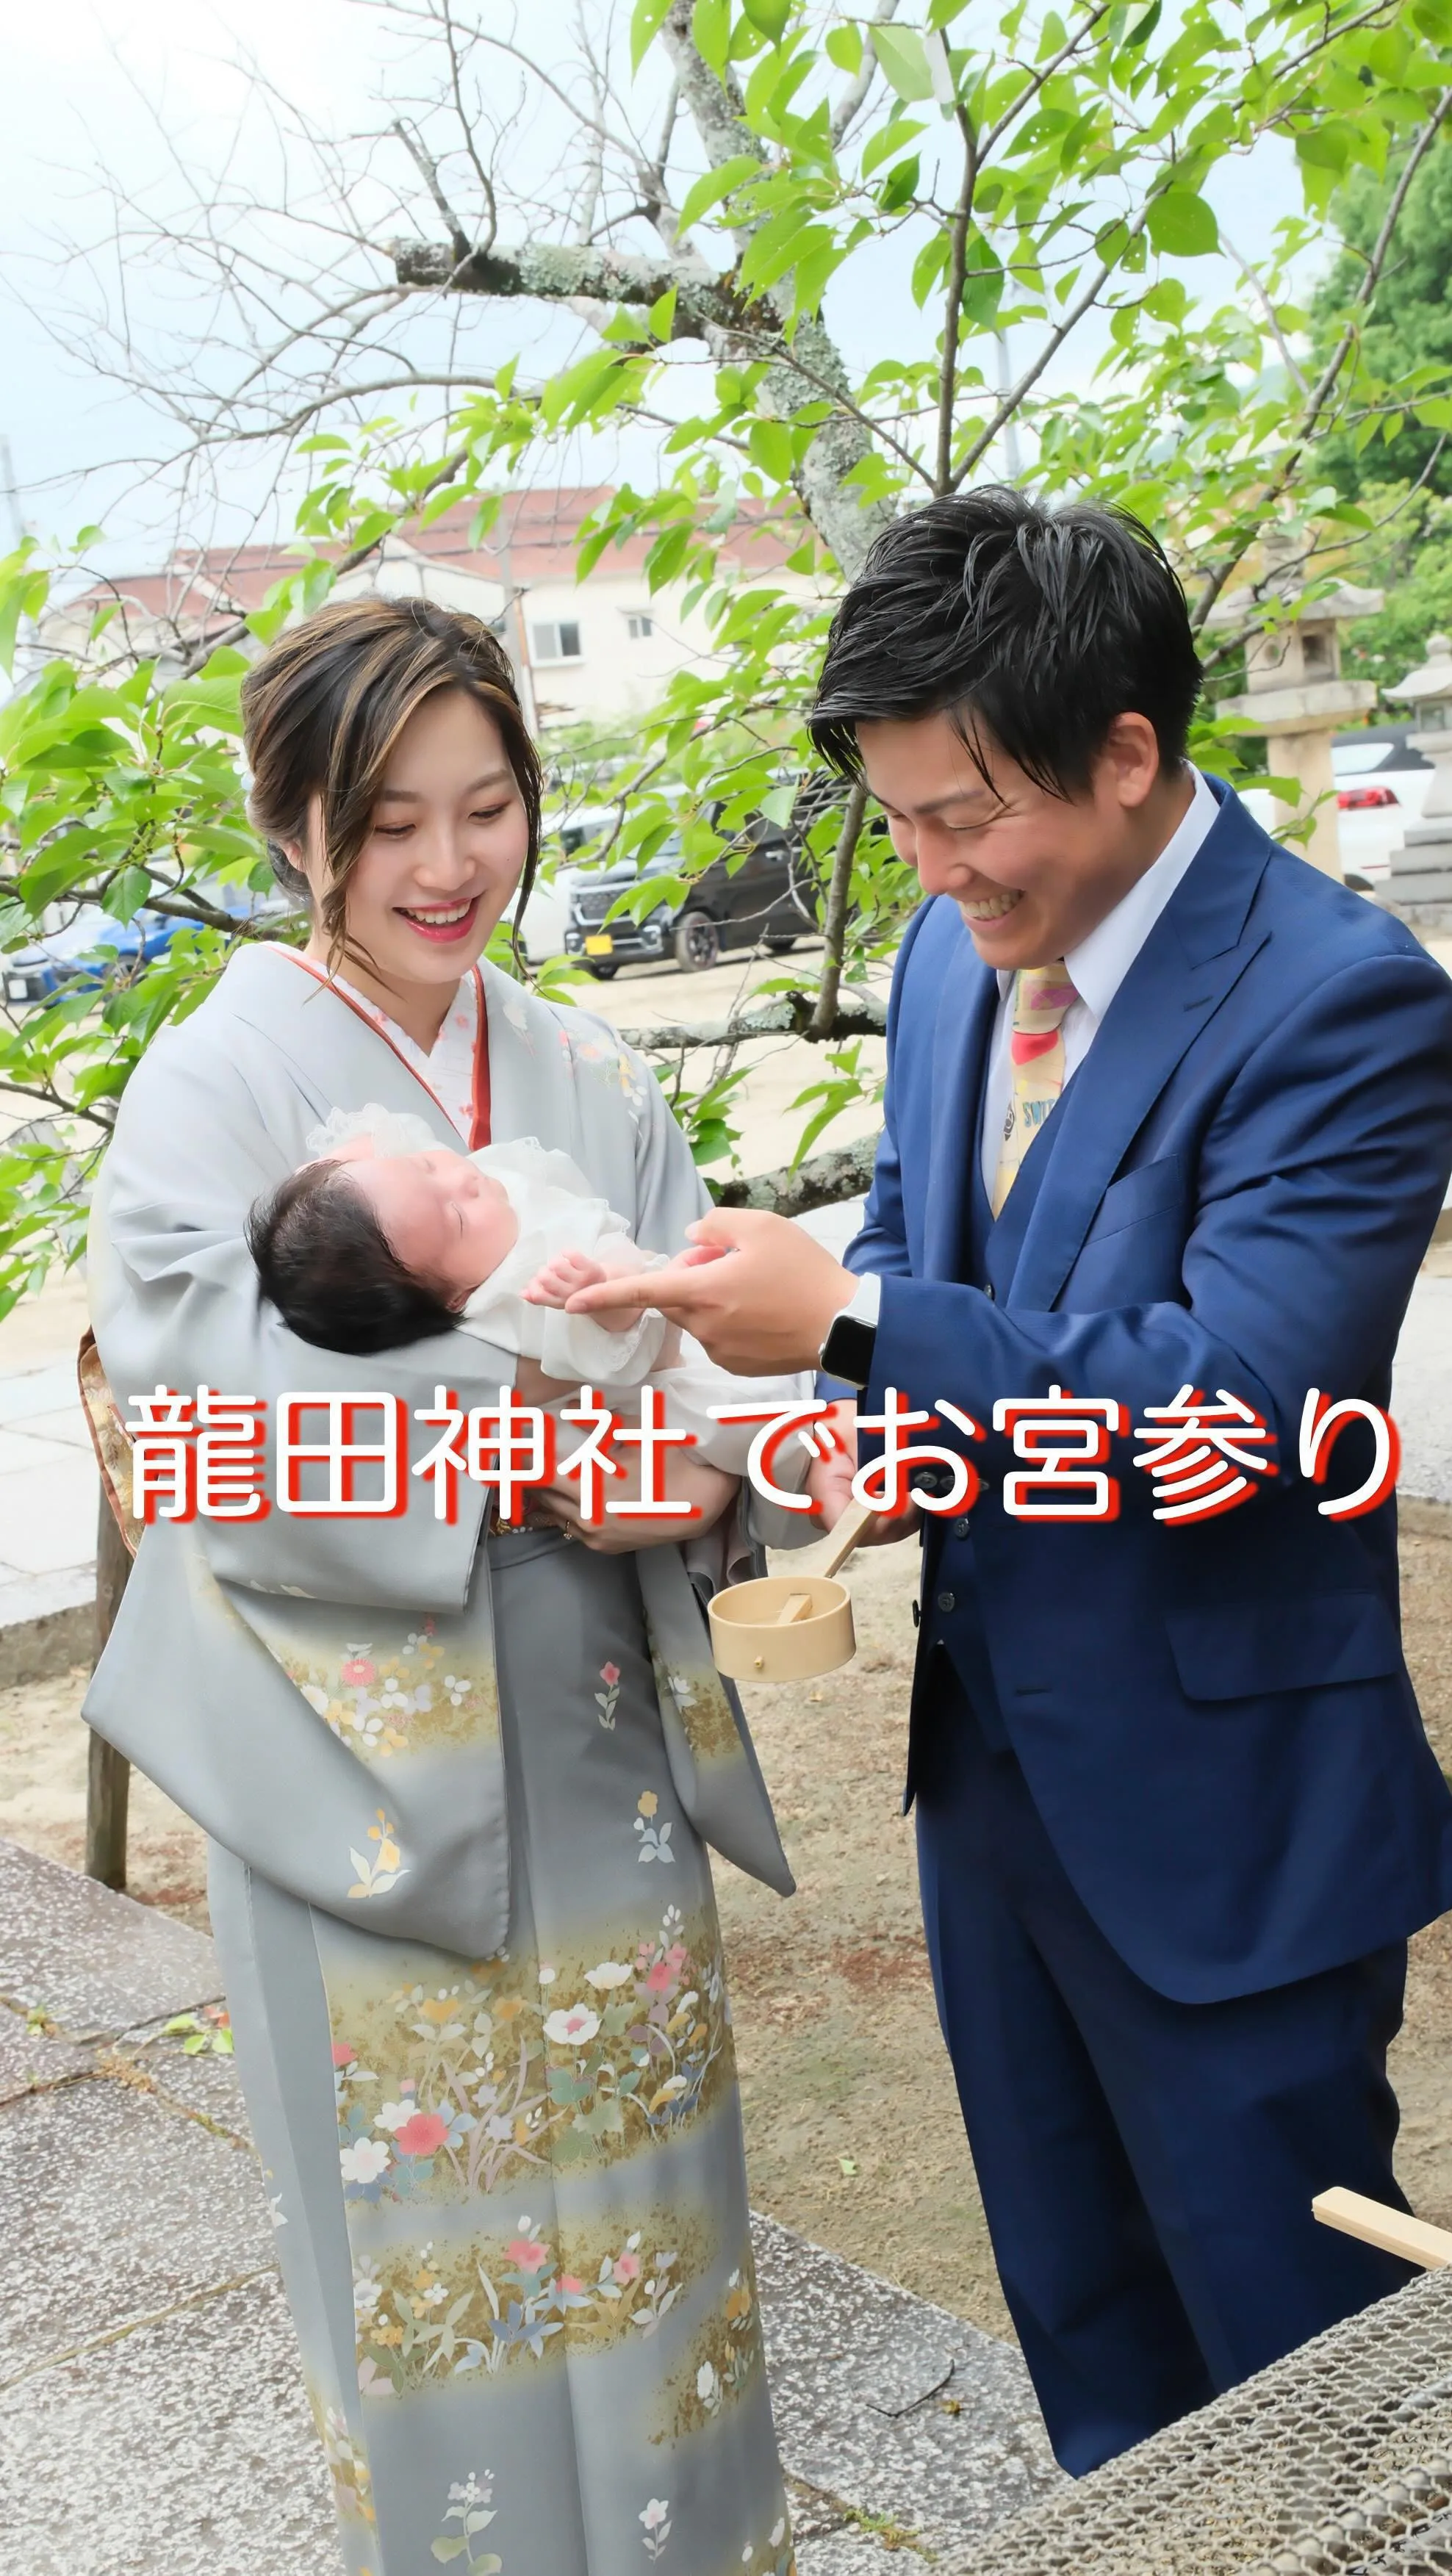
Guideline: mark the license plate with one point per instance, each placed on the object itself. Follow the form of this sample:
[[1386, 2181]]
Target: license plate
[[603, 946], [16, 988]]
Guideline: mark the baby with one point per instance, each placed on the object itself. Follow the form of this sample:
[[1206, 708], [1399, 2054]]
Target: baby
[[384, 1237]]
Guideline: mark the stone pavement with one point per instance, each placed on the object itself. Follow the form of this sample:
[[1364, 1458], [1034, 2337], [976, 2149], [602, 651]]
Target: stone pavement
[[152, 2420], [48, 1498]]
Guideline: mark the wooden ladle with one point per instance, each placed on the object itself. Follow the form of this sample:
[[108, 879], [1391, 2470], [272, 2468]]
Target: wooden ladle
[[790, 1627]]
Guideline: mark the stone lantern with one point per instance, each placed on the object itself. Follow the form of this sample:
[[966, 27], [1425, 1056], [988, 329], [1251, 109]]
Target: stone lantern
[[1421, 871], [1295, 695]]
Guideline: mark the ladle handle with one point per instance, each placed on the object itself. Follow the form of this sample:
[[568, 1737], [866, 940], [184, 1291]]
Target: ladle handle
[[854, 1522]]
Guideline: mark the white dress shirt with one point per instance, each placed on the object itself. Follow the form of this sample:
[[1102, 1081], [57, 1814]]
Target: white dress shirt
[[1097, 968]]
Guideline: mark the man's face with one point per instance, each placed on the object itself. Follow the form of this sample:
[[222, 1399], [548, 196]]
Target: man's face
[[1032, 874]]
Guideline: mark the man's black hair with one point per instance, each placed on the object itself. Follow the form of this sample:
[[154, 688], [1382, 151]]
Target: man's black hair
[[1033, 628], [329, 1269]]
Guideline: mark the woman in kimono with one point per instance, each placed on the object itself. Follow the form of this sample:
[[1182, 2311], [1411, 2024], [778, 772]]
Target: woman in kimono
[[456, 1777]]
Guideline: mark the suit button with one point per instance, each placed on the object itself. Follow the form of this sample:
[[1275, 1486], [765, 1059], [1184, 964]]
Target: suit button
[[988, 1292], [945, 1601], [963, 1528]]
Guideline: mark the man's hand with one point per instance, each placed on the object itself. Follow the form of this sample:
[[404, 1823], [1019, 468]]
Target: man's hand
[[757, 1291], [829, 1482]]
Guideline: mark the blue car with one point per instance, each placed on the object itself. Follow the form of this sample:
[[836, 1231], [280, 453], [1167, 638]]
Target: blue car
[[89, 950]]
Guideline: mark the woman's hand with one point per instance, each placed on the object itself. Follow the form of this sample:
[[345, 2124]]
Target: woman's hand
[[689, 1480]]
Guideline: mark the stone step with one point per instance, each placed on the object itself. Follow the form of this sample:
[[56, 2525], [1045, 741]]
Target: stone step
[[146, 2354]]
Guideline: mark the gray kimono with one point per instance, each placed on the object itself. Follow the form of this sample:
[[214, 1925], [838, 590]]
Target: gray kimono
[[456, 1789]]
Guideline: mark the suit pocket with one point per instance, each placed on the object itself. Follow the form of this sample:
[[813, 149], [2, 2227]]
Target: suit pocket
[[1143, 1193], [1248, 1648]]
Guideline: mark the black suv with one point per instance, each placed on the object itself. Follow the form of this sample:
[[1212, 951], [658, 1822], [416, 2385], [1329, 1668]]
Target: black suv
[[756, 905]]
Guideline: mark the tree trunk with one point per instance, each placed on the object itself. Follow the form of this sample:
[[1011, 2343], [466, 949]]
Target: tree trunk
[[108, 1782]]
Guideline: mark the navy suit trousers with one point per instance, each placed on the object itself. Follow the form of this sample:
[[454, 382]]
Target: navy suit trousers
[[1147, 2167]]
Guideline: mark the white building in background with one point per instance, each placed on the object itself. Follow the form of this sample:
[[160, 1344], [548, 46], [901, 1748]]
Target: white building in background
[[596, 650]]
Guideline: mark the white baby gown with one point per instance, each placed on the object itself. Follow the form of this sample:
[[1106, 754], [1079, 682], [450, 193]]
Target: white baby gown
[[558, 1212]]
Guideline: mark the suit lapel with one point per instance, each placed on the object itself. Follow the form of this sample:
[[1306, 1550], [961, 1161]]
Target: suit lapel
[[1194, 956], [964, 1031]]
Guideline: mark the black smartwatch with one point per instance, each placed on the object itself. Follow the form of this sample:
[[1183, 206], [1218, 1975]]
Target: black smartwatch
[[847, 1351]]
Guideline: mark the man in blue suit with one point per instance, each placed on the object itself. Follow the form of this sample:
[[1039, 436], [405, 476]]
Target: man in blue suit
[[1168, 1114]]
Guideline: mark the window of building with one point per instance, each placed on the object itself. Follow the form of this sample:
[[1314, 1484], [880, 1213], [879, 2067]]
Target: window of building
[[637, 626], [557, 642]]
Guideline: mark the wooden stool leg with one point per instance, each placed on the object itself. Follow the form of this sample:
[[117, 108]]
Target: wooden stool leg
[[108, 1783]]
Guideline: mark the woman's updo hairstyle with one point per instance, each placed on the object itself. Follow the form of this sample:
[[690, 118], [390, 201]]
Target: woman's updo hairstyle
[[324, 707]]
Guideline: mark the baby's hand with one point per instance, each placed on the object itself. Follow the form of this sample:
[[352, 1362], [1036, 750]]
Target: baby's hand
[[560, 1278]]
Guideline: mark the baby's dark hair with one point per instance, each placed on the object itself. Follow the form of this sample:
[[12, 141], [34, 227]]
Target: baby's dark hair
[[330, 1270]]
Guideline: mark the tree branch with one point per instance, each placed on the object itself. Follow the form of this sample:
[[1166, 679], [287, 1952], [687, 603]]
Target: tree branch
[[1216, 580], [1043, 72], [206, 645], [844, 1173], [854, 96], [953, 316], [1055, 341], [786, 1015], [834, 920], [563, 272], [1258, 290]]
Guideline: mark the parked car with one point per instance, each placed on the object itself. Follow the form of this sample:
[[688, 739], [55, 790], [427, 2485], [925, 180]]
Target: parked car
[[1381, 787], [89, 950], [546, 917], [92, 948], [756, 903]]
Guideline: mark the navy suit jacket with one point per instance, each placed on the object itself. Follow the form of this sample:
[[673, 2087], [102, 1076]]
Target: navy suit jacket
[[1234, 1190]]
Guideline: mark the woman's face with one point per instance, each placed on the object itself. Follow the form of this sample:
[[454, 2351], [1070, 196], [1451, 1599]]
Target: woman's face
[[448, 841]]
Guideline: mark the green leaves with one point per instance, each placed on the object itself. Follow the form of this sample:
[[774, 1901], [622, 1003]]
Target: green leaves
[[904, 60], [646, 21], [766, 457], [1181, 225], [24, 588], [711, 28], [713, 185]]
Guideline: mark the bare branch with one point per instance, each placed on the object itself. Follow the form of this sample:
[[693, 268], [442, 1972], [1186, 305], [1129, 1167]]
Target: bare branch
[[1258, 290], [786, 1015], [206, 645], [1043, 72], [564, 272], [428, 171], [834, 920], [953, 314], [466, 128], [1015, 396], [1280, 482], [854, 96], [824, 1181]]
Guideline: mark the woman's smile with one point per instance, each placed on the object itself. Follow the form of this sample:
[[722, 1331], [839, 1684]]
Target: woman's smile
[[443, 923]]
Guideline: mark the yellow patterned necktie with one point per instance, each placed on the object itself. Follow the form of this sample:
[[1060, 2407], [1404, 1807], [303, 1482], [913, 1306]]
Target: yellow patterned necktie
[[1041, 996]]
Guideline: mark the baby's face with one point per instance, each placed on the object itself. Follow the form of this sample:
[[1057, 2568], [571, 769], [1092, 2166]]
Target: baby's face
[[446, 1221]]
